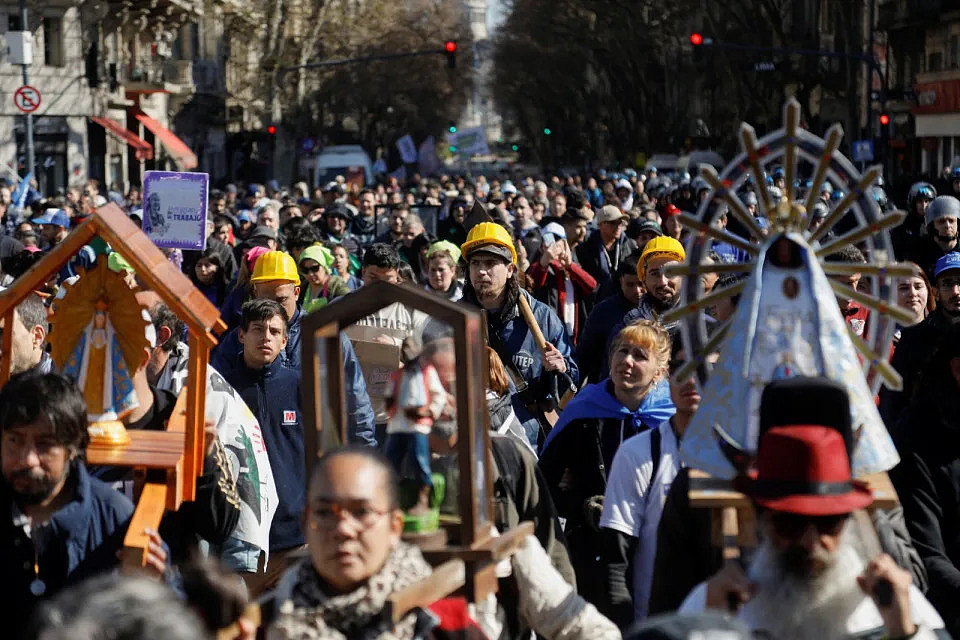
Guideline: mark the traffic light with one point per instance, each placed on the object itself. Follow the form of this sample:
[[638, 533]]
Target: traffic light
[[546, 131], [452, 128], [272, 130], [696, 39], [452, 148], [514, 148], [884, 119], [450, 47]]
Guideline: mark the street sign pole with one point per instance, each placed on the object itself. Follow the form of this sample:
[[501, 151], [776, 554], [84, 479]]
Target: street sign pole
[[26, 81]]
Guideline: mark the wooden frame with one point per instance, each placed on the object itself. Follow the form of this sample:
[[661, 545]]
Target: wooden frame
[[181, 455], [323, 327]]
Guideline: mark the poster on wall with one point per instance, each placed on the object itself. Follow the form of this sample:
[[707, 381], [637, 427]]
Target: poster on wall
[[175, 208]]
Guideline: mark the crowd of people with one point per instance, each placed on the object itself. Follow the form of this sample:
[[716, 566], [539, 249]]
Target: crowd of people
[[586, 425]]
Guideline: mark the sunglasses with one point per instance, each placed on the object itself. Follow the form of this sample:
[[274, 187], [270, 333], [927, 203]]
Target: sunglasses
[[792, 525], [313, 269]]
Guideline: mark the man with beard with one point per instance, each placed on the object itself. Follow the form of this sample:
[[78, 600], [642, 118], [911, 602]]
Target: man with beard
[[60, 526], [364, 224], [602, 252], [928, 439], [918, 343], [663, 291], [809, 578], [493, 286], [941, 218]]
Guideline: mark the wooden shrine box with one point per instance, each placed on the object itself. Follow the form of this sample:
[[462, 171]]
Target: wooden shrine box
[[324, 407], [730, 508], [179, 449]]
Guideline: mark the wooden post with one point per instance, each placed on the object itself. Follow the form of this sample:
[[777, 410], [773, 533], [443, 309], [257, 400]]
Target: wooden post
[[196, 388], [6, 362]]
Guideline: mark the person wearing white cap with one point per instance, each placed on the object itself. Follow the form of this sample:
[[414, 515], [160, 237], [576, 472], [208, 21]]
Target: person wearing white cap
[[559, 281], [601, 254]]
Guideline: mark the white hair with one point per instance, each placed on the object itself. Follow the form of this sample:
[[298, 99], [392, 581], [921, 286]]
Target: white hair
[[787, 605]]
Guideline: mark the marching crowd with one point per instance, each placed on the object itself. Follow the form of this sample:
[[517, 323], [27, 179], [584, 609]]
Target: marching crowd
[[586, 425]]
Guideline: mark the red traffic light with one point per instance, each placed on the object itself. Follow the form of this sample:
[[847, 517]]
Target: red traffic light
[[271, 130], [696, 39], [884, 119], [450, 46]]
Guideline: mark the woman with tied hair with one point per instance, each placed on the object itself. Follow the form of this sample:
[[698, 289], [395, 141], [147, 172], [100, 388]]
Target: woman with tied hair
[[315, 263], [578, 453]]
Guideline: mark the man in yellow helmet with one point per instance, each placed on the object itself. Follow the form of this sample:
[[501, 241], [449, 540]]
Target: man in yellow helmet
[[275, 277], [493, 285]]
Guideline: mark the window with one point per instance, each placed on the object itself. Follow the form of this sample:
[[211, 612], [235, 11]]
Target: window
[[13, 22], [935, 61], [52, 42]]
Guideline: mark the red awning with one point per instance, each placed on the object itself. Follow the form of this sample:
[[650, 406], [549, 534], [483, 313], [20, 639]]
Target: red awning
[[176, 147], [143, 148]]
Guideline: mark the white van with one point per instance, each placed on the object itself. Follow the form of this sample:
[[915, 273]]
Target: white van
[[347, 160]]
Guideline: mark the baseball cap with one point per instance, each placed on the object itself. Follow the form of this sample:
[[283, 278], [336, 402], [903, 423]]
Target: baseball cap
[[947, 262], [555, 230], [337, 210], [246, 216], [641, 225], [610, 213], [671, 210], [56, 217], [494, 249], [508, 187], [572, 215], [264, 232]]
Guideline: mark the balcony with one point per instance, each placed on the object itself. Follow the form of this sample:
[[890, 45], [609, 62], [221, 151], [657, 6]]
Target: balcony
[[899, 14], [160, 75]]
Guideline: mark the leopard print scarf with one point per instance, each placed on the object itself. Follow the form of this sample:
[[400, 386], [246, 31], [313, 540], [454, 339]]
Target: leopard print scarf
[[308, 613]]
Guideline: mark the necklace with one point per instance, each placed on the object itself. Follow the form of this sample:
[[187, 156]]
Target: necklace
[[37, 586]]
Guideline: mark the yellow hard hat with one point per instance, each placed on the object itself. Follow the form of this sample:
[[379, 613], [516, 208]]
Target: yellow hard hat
[[275, 265], [489, 235], [660, 247]]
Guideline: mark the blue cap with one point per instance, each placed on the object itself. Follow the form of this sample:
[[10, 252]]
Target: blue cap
[[246, 216], [946, 262], [253, 189], [56, 217]]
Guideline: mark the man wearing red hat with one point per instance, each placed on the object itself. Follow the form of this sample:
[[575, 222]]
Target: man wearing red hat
[[811, 576], [672, 226]]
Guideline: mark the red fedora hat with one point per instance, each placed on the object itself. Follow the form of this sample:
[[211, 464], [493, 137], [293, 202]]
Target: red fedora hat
[[804, 469]]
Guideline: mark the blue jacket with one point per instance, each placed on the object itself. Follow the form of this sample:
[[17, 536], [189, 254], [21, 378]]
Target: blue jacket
[[595, 334], [361, 428], [514, 343], [81, 540], [273, 395]]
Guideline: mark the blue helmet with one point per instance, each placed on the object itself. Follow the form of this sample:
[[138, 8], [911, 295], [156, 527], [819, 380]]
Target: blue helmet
[[955, 173], [779, 173], [920, 191]]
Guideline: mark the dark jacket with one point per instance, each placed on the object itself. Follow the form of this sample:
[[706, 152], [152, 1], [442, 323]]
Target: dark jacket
[[602, 265], [906, 237], [583, 451], [81, 540], [227, 258], [549, 287], [925, 252], [273, 395], [913, 355], [363, 229], [596, 332], [928, 483], [513, 341], [686, 555]]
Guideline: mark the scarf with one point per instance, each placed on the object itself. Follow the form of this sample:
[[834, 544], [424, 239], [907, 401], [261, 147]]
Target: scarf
[[308, 613], [596, 401]]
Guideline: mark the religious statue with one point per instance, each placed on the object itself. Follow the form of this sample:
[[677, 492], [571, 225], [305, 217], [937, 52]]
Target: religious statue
[[100, 336]]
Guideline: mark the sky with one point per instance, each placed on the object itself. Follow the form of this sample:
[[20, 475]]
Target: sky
[[496, 12]]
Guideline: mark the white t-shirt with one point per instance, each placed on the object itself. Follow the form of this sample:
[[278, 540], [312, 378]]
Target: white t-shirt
[[633, 502]]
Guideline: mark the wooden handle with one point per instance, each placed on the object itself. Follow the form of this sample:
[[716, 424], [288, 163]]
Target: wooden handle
[[730, 527], [445, 579], [527, 313]]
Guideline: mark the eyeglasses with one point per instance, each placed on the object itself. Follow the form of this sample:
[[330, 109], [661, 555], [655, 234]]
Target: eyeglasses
[[313, 269], [327, 515], [792, 525]]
